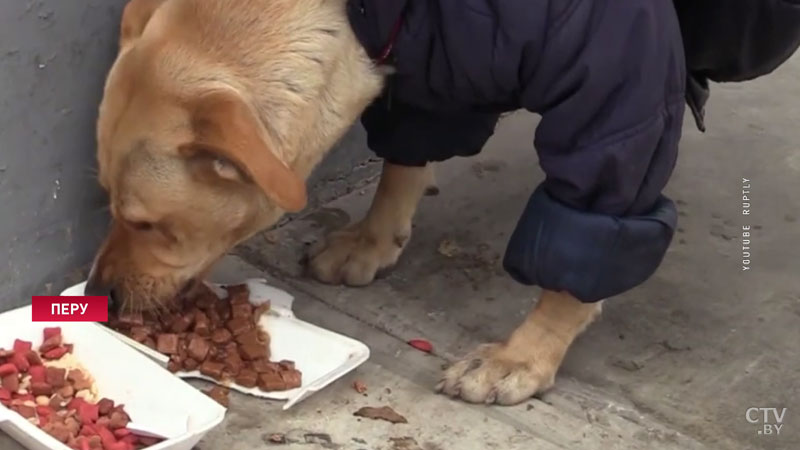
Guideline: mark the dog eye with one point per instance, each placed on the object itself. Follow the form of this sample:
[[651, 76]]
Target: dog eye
[[141, 226]]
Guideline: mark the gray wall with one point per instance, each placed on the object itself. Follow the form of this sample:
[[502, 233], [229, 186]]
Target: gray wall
[[53, 58]]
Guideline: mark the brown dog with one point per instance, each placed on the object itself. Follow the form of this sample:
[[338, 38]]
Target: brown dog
[[214, 113]]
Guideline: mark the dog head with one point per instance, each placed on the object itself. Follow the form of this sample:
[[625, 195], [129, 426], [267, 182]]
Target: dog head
[[211, 119], [188, 177]]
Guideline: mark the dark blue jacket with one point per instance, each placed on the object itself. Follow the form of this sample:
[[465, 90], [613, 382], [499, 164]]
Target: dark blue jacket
[[608, 78]]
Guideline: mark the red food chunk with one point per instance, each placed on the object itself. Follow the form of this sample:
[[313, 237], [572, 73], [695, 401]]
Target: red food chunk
[[50, 343], [88, 413], [44, 410], [8, 369], [75, 403], [10, 382], [421, 345], [121, 432], [88, 430], [107, 437], [21, 346], [51, 332], [33, 358], [21, 362], [38, 374], [5, 394], [130, 439], [55, 353]]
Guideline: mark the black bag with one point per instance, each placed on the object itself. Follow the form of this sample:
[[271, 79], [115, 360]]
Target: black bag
[[733, 41]]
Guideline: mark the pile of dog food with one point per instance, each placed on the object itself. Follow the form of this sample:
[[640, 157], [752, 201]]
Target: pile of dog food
[[48, 387], [220, 338]]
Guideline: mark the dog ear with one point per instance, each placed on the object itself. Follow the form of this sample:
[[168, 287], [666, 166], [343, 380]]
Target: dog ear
[[134, 19], [224, 123]]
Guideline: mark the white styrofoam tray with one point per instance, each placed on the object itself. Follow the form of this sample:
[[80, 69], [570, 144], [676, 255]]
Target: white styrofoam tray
[[321, 355], [150, 393]]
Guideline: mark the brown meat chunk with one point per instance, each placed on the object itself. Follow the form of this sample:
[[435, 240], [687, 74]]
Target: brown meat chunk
[[67, 392], [118, 420], [383, 413], [249, 337], [79, 380], [212, 369], [56, 377], [105, 406], [264, 366], [221, 336], [241, 311], [247, 378], [25, 411], [253, 351], [131, 319], [219, 394], [286, 364], [40, 388], [139, 334], [202, 324], [239, 326], [190, 365], [233, 364], [182, 323], [57, 401], [223, 309], [292, 378], [150, 342], [167, 343], [173, 366], [198, 348], [238, 293], [270, 382]]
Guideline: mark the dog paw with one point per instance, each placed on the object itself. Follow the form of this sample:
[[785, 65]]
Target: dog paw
[[354, 255], [494, 373]]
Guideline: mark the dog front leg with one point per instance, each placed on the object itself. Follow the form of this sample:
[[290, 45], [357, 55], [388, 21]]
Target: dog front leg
[[355, 254], [512, 372]]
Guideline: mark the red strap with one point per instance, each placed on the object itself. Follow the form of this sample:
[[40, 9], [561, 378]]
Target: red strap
[[387, 50]]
